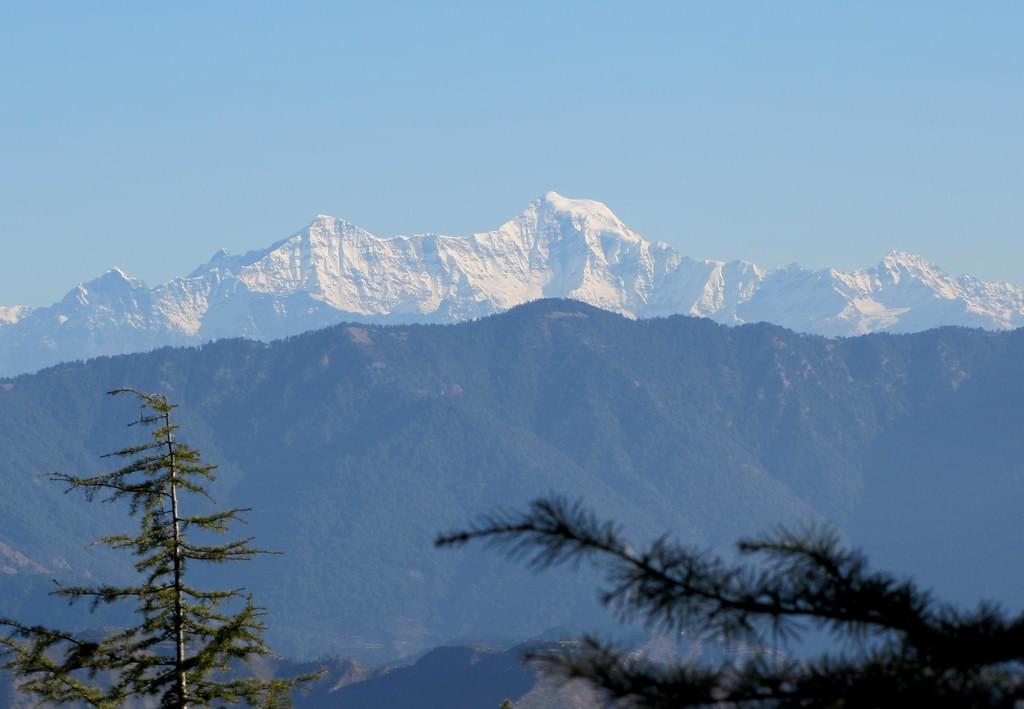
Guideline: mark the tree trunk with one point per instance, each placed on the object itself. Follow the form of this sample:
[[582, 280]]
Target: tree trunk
[[181, 681]]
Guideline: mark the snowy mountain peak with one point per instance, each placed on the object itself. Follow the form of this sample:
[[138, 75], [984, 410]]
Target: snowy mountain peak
[[114, 279], [326, 222], [901, 267], [331, 271], [118, 273], [907, 261], [585, 215], [584, 208]]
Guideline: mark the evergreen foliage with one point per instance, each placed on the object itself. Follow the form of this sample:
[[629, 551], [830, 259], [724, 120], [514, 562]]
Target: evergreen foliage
[[905, 648], [187, 640]]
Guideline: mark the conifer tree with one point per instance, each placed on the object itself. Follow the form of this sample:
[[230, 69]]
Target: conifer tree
[[188, 641], [903, 648]]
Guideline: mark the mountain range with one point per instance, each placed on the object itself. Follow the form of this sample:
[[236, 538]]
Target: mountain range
[[333, 271], [355, 445]]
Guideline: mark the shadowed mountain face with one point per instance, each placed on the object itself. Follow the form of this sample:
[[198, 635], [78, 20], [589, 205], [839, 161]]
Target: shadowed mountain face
[[453, 677], [445, 678], [355, 445], [333, 271]]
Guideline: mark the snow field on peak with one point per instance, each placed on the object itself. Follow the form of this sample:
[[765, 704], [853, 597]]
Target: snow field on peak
[[10, 314], [332, 271]]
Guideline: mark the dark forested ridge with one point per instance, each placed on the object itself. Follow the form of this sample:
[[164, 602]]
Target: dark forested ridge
[[357, 444]]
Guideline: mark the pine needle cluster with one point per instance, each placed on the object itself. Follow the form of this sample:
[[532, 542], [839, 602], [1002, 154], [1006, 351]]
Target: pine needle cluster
[[900, 646]]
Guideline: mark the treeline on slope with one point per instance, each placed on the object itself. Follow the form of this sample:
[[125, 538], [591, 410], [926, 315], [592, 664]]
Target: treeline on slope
[[356, 444]]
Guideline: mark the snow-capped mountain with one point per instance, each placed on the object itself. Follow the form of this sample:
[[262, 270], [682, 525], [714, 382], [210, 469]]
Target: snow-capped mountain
[[332, 271]]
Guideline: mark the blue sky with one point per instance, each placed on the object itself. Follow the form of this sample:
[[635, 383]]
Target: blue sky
[[147, 136]]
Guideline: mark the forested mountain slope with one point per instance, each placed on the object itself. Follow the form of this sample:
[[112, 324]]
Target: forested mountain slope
[[356, 444]]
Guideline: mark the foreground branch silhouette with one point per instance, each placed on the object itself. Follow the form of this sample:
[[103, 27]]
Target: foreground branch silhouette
[[186, 645], [907, 648]]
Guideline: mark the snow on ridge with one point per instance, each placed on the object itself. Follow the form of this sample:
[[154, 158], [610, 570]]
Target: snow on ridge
[[115, 277], [595, 215], [332, 270], [10, 314]]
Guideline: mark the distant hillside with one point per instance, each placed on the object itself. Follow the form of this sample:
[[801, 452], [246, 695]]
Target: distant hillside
[[355, 445]]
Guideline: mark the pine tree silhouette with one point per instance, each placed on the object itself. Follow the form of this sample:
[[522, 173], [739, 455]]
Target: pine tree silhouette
[[908, 649]]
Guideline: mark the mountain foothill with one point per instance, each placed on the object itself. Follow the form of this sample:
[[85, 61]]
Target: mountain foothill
[[357, 443]]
